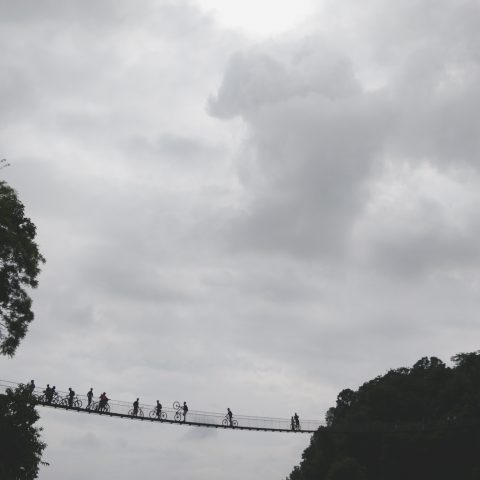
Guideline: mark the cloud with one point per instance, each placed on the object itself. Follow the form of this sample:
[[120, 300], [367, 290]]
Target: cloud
[[246, 223], [314, 140], [320, 137]]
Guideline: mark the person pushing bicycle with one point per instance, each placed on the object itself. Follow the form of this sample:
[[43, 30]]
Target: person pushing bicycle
[[103, 400], [135, 408], [158, 409]]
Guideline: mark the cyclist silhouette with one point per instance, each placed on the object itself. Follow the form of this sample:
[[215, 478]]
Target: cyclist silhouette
[[48, 394], [230, 416], [53, 393], [158, 409], [185, 410], [297, 421], [31, 386], [71, 394], [103, 401], [89, 397], [135, 407]]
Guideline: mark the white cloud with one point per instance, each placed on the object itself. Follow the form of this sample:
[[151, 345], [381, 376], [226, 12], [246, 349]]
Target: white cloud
[[235, 222]]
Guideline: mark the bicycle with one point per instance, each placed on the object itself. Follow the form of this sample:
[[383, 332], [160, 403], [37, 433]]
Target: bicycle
[[153, 414], [179, 412], [55, 400], [65, 402], [41, 398], [138, 414], [226, 422], [95, 406]]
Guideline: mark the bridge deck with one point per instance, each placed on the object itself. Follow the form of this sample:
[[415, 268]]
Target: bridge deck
[[121, 409], [181, 422]]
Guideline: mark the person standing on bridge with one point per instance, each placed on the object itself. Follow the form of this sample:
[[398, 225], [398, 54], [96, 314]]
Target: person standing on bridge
[[90, 397], [103, 401], [297, 421], [48, 394], [185, 410], [71, 395], [135, 408], [158, 409], [31, 386], [230, 416]]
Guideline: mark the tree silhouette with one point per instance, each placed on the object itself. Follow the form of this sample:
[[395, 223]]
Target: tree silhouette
[[21, 447], [346, 469], [417, 423], [20, 262]]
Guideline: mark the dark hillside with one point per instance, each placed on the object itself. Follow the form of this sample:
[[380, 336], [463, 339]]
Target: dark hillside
[[411, 423]]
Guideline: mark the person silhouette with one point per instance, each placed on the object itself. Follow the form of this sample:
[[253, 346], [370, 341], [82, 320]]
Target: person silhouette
[[230, 416], [135, 408], [89, 397], [71, 395], [48, 394], [53, 393], [31, 386], [185, 411], [158, 409], [297, 421], [103, 400]]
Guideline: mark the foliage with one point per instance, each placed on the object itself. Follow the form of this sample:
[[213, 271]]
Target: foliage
[[21, 446], [19, 268], [417, 423], [346, 469]]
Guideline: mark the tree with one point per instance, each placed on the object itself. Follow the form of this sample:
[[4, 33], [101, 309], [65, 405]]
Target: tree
[[346, 469], [417, 423], [20, 262], [21, 450]]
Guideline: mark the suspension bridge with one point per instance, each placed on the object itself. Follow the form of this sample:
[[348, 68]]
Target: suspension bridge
[[174, 415], [169, 415]]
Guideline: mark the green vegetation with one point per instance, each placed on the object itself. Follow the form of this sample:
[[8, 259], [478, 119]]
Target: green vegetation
[[21, 452], [19, 268], [21, 447], [411, 423]]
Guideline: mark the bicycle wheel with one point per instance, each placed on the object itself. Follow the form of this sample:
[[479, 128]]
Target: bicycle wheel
[[225, 422], [163, 416], [234, 423], [63, 402], [153, 413], [77, 403], [106, 408], [178, 417], [140, 413], [130, 412], [176, 405]]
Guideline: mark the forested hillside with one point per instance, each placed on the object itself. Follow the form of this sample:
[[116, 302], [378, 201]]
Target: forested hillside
[[411, 423]]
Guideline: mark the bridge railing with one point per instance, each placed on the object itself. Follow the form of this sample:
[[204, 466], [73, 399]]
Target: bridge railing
[[172, 415]]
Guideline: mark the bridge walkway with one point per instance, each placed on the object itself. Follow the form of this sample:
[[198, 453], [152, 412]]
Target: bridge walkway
[[121, 409]]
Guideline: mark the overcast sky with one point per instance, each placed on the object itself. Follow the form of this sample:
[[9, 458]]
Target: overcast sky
[[245, 204]]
